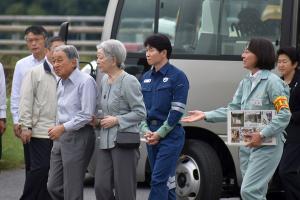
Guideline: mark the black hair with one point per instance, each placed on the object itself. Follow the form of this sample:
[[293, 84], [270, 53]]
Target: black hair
[[36, 30], [53, 39], [290, 52], [159, 42], [264, 51]]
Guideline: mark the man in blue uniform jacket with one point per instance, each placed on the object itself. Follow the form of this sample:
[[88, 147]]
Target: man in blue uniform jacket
[[165, 91]]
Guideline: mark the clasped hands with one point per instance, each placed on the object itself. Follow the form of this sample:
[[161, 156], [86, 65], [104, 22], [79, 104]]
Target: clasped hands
[[152, 138]]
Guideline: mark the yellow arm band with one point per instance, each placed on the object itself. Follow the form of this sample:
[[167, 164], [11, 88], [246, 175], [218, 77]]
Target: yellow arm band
[[280, 103]]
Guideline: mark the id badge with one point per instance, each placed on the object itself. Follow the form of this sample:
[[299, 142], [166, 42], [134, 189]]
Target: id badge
[[257, 102]]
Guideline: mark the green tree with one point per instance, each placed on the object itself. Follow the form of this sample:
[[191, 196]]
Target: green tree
[[54, 7], [35, 9], [16, 9]]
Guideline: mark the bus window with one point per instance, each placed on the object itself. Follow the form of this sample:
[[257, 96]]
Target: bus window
[[247, 19], [136, 23], [214, 27], [200, 27], [178, 20]]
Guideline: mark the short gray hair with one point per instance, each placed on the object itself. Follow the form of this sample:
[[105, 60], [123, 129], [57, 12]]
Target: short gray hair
[[70, 51], [114, 48]]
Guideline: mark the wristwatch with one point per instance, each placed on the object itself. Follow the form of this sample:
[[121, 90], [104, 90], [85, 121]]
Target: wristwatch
[[24, 128]]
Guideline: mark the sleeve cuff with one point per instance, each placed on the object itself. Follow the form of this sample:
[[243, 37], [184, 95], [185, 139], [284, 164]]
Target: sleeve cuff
[[2, 115], [144, 127], [15, 120], [266, 132], [207, 116], [164, 129], [68, 126], [262, 135]]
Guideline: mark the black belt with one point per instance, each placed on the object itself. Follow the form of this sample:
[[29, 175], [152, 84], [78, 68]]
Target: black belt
[[154, 122]]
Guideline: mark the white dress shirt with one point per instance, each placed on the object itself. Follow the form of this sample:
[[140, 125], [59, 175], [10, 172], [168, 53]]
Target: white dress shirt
[[254, 79], [22, 66], [2, 93]]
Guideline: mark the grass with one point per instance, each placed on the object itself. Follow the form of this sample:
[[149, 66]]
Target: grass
[[12, 148]]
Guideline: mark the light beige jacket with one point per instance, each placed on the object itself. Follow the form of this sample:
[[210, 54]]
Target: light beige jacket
[[38, 102]]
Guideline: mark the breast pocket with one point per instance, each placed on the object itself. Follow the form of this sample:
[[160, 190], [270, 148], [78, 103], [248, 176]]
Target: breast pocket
[[147, 94], [164, 94], [260, 101]]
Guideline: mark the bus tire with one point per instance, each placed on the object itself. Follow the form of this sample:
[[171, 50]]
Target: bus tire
[[198, 172]]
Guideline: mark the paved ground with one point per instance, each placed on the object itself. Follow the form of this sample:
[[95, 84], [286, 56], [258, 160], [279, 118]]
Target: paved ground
[[11, 185]]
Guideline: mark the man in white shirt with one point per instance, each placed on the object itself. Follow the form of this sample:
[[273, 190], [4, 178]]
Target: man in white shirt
[[35, 37], [2, 105]]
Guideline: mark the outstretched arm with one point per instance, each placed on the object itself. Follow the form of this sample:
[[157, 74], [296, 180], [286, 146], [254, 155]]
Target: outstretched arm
[[193, 116]]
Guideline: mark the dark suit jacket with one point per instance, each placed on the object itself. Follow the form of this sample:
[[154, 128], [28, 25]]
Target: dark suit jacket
[[293, 129]]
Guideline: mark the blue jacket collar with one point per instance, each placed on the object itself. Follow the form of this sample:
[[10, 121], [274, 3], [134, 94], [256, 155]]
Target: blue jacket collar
[[47, 67], [163, 70]]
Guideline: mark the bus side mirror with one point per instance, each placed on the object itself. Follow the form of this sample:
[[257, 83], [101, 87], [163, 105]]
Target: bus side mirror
[[63, 31]]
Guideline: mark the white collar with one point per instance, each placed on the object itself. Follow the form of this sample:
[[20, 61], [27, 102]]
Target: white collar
[[254, 76]]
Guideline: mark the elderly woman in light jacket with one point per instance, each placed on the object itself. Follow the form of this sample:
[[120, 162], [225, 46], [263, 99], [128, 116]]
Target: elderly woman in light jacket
[[123, 109]]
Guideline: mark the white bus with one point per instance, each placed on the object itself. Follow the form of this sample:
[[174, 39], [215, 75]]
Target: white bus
[[208, 37]]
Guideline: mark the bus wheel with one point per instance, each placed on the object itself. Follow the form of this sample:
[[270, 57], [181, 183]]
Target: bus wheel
[[198, 172]]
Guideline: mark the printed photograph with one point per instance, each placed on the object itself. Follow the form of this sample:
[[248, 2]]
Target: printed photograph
[[235, 135], [241, 124], [246, 134], [266, 117], [237, 119], [252, 118]]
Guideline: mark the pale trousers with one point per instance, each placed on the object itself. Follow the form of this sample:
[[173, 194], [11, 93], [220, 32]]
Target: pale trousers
[[70, 156], [258, 166]]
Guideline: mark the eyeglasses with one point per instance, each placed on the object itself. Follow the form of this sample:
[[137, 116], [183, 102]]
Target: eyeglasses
[[32, 40]]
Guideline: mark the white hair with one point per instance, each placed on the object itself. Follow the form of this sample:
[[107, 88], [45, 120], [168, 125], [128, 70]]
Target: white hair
[[114, 48]]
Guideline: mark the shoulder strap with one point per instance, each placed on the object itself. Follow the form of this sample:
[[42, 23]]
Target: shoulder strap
[[122, 81], [121, 89], [120, 94]]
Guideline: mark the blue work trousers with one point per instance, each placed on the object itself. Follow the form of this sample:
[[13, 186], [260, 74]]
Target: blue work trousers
[[163, 158]]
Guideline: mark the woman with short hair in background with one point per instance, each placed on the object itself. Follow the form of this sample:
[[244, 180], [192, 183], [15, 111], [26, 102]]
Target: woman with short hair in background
[[289, 168]]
